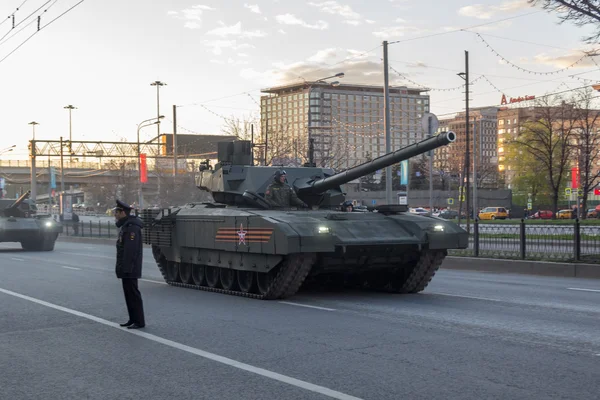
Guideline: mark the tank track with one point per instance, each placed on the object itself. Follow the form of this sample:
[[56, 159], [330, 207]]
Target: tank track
[[408, 280], [291, 274]]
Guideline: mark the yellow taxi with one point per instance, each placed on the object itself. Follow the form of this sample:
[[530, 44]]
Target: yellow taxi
[[565, 214], [493, 213]]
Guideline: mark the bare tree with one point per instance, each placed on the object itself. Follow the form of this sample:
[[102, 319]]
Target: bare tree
[[548, 140], [579, 12], [587, 145]]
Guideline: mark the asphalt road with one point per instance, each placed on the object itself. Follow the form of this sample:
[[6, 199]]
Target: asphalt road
[[468, 336]]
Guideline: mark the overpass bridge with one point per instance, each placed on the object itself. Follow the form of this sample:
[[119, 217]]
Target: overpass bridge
[[17, 177]]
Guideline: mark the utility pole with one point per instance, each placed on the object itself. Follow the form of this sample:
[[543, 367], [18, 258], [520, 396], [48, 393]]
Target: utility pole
[[386, 122], [62, 169], [174, 140], [467, 137], [430, 134], [33, 166], [465, 76], [70, 108], [475, 205], [158, 84]]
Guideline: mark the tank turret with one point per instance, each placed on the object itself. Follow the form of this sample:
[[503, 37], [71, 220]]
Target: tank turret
[[13, 209], [235, 181]]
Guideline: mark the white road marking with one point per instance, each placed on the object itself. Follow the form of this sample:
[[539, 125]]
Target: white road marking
[[64, 266], [150, 280], [306, 305], [584, 290], [465, 297], [17, 259], [192, 350]]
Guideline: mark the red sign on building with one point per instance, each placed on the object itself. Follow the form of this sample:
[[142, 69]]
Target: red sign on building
[[143, 169], [597, 192]]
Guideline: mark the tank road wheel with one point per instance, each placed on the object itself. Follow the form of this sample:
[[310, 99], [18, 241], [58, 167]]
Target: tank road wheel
[[228, 281], [264, 280], [185, 272], [212, 276], [246, 281], [198, 274], [173, 271]]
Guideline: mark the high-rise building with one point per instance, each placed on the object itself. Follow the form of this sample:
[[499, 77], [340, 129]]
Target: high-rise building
[[345, 123], [483, 127]]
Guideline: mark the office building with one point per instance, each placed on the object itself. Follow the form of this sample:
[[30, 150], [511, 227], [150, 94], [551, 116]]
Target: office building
[[344, 122]]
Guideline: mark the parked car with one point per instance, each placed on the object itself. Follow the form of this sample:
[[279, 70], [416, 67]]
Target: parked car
[[493, 213], [542, 214], [419, 210], [566, 214], [592, 213]]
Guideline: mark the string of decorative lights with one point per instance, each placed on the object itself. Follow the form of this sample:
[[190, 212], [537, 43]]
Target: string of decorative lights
[[527, 70]]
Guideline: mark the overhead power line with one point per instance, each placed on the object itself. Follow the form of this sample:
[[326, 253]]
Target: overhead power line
[[41, 27]]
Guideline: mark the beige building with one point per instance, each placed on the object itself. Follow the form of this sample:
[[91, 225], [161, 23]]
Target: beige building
[[345, 122], [482, 127]]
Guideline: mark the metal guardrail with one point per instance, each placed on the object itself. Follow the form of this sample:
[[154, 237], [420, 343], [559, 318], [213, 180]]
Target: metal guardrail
[[558, 243]]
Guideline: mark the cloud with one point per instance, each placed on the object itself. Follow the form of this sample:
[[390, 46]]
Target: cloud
[[291, 19], [357, 70], [253, 7], [481, 11], [485, 28], [192, 16], [235, 30], [335, 8], [397, 31], [217, 46], [350, 16], [564, 60], [282, 31]]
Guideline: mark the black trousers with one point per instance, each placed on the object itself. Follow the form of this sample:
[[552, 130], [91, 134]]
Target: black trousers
[[133, 299]]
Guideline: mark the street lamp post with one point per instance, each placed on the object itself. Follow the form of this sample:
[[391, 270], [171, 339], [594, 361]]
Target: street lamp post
[[33, 166], [311, 161], [70, 108], [7, 149], [141, 125]]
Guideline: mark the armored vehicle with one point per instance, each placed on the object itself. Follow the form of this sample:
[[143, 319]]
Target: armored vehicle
[[241, 245], [20, 223]]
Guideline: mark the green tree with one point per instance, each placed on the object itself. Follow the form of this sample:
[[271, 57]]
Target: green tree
[[548, 140]]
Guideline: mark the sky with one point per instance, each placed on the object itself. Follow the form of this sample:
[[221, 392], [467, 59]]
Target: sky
[[216, 55]]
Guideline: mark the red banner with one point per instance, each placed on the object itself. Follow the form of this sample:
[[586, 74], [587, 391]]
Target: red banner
[[574, 178], [143, 169]]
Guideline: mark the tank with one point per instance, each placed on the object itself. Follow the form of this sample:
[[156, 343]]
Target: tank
[[239, 245], [19, 222]]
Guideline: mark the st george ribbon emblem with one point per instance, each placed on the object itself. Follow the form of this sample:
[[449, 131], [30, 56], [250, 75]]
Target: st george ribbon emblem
[[242, 234]]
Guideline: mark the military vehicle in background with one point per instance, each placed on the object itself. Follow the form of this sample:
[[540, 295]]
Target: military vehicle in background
[[19, 222], [240, 245]]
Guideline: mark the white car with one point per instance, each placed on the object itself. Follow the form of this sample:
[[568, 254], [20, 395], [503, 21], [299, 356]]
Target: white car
[[419, 210]]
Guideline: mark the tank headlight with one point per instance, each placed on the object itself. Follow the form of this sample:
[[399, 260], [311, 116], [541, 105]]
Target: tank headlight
[[48, 224], [438, 228], [323, 229]]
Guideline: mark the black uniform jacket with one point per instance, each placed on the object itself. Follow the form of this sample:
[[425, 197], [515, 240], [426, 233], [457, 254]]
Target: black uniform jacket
[[129, 248]]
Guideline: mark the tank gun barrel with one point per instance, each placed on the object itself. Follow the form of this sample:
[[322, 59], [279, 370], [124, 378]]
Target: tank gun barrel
[[21, 199], [384, 161]]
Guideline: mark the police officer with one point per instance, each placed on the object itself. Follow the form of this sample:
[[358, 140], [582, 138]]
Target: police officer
[[347, 206], [280, 194], [129, 262]]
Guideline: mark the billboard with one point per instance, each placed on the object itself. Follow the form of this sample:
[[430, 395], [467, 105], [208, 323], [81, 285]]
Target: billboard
[[193, 146]]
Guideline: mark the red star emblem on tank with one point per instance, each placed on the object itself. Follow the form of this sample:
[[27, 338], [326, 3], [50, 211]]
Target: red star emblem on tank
[[242, 234]]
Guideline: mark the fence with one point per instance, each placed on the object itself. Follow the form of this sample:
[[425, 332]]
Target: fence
[[566, 243], [96, 229]]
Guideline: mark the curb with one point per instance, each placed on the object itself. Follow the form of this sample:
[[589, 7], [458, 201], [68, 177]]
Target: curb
[[542, 268]]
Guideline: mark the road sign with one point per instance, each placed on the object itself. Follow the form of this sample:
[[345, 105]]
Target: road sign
[[435, 124], [450, 201], [580, 192], [567, 191], [529, 206], [597, 192], [403, 200]]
